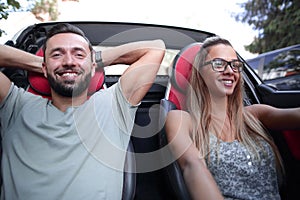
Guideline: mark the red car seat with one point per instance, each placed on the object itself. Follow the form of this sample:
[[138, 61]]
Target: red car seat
[[181, 69], [175, 99]]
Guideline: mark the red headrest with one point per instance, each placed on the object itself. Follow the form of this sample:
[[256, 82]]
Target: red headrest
[[181, 70], [39, 84]]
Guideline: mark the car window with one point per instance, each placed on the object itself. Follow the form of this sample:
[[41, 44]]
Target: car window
[[279, 69]]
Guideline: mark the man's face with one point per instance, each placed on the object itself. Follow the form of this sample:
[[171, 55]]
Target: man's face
[[68, 64]]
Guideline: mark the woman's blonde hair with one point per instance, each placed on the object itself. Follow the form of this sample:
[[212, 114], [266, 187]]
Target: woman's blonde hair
[[249, 129]]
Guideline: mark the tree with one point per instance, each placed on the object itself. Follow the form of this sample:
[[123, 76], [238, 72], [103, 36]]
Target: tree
[[277, 21], [45, 10], [5, 8]]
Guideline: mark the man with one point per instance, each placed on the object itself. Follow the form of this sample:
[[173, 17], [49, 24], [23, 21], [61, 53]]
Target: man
[[71, 147]]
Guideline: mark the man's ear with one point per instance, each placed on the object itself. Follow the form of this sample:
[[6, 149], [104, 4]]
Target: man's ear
[[44, 68], [94, 65]]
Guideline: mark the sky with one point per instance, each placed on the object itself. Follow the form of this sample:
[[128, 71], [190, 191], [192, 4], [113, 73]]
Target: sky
[[209, 15]]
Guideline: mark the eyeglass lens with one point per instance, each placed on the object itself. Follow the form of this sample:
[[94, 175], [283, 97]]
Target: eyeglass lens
[[220, 65]]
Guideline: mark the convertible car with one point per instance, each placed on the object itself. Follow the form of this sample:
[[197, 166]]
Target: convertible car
[[151, 173]]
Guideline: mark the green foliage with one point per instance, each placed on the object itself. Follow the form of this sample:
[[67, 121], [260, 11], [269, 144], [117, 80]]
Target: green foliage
[[45, 7], [278, 23], [5, 7], [44, 10]]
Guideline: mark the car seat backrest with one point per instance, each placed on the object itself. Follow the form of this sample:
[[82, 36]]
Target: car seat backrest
[[181, 69], [175, 99], [38, 84]]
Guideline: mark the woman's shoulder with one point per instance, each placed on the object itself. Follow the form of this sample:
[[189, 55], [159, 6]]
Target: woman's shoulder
[[178, 114], [178, 119]]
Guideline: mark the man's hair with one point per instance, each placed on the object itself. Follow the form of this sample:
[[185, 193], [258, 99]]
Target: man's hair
[[65, 28]]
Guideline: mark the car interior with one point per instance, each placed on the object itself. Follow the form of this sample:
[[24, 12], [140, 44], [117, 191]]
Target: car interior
[[150, 170]]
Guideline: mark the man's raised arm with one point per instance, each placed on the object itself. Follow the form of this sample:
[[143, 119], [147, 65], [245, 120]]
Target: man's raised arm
[[144, 58], [15, 58]]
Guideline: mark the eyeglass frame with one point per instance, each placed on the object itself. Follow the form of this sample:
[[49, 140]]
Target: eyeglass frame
[[234, 69]]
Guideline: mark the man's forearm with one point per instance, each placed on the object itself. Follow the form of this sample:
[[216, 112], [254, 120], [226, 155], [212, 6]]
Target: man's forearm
[[129, 53], [13, 57]]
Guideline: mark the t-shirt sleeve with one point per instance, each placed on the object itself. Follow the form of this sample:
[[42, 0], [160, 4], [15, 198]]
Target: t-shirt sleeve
[[12, 105], [125, 110]]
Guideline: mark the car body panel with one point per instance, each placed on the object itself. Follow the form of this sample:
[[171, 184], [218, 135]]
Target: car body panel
[[279, 68]]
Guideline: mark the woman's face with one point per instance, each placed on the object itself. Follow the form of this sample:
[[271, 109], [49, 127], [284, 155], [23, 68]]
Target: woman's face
[[220, 84]]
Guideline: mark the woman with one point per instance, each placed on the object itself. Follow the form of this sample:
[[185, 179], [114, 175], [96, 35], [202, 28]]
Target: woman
[[222, 147]]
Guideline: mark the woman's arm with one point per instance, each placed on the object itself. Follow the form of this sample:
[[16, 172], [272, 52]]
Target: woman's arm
[[198, 178], [276, 118], [13, 57]]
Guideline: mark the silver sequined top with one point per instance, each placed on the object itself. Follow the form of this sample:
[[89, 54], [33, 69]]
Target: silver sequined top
[[238, 175]]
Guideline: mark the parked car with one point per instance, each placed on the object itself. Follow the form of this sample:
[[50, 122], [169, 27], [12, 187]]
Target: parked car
[[279, 68], [150, 173]]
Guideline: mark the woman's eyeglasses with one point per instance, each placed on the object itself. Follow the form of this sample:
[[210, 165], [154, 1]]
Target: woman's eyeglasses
[[220, 65]]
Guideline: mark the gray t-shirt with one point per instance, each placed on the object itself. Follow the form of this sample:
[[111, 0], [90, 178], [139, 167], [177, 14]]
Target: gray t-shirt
[[77, 154], [239, 175]]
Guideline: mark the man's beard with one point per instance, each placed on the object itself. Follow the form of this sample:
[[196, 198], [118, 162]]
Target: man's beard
[[64, 89]]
